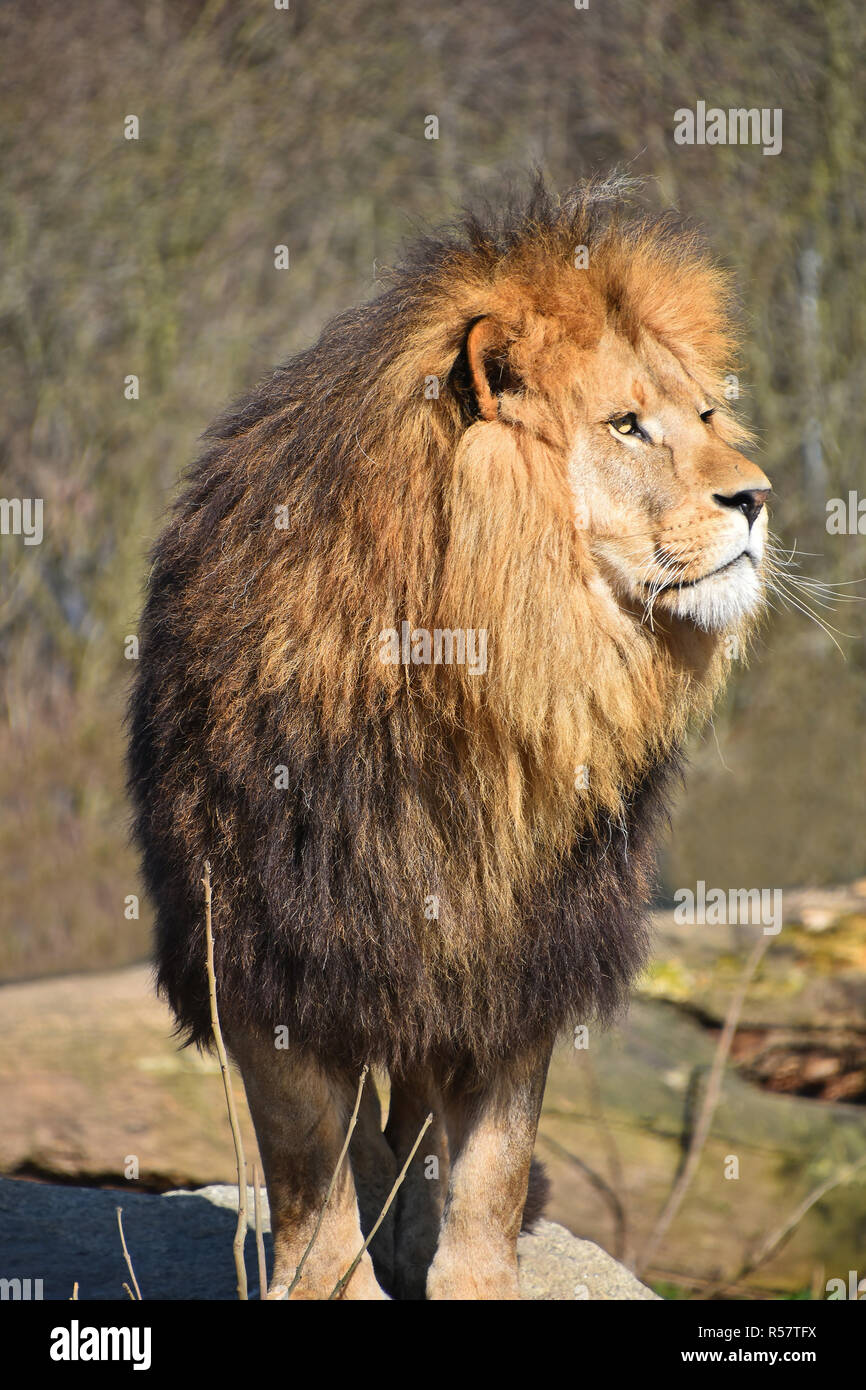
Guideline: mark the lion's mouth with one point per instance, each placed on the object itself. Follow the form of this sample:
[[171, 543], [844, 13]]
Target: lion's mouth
[[676, 585]]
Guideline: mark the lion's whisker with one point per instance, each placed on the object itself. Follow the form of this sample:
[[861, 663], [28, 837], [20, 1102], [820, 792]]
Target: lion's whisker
[[789, 599]]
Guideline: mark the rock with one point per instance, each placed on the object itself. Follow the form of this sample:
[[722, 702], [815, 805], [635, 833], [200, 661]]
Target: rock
[[180, 1245], [555, 1265], [91, 1077]]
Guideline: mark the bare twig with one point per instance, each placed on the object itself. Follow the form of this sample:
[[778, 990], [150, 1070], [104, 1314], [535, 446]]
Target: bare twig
[[771, 1243], [260, 1244], [332, 1184], [74, 1298], [704, 1120], [241, 1231], [130, 1294], [340, 1285], [128, 1260]]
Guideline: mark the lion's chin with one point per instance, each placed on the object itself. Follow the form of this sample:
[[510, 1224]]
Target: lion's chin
[[721, 601]]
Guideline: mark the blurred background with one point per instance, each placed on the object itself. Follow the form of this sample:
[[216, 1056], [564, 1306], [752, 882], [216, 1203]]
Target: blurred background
[[154, 257]]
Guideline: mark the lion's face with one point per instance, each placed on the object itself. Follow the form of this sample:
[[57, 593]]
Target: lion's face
[[673, 514]]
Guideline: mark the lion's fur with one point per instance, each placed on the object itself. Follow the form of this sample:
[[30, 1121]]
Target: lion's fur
[[260, 649]]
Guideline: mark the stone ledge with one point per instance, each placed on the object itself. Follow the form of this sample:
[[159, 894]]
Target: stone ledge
[[181, 1247]]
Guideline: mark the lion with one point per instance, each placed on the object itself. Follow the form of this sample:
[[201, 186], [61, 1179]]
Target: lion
[[424, 862]]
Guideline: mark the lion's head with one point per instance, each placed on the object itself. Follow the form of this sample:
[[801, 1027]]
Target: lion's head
[[612, 362]]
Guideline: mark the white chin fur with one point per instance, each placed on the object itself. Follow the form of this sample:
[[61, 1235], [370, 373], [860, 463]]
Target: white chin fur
[[718, 601]]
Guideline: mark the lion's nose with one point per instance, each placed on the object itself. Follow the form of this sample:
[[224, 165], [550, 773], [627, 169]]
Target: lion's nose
[[749, 501]]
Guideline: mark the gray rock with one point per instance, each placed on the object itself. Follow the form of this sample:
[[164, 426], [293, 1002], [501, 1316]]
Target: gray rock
[[555, 1265], [181, 1246]]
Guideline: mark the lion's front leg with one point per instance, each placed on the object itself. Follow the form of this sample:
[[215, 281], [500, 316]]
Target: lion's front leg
[[301, 1113], [491, 1133]]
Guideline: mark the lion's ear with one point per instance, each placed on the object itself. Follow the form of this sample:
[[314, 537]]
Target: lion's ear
[[490, 371]]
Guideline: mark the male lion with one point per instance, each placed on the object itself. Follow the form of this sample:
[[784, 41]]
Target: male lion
[[422, 860]]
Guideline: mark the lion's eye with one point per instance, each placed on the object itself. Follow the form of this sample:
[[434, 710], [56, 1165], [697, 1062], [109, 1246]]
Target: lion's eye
[[626, 424], [707, 415]]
